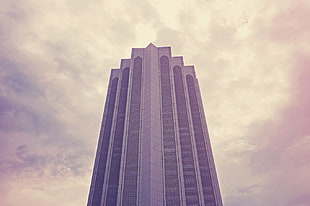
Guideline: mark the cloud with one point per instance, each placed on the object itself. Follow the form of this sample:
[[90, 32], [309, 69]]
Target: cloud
[[285, 24], [42, 68], [168, 36], [34, 165], [282, 159]]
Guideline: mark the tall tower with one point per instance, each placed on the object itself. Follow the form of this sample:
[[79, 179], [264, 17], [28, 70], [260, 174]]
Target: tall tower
[[154, 147]]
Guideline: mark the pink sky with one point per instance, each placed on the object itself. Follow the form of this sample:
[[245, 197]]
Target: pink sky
[[252, 59]]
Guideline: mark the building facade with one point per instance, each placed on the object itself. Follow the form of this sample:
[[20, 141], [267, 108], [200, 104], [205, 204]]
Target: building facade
[[154, 147]]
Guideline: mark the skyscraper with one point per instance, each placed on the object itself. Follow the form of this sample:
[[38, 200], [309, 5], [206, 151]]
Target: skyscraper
[[154, 146]]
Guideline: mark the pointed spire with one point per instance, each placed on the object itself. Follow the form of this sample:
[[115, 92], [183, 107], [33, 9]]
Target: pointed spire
[[151, 45]]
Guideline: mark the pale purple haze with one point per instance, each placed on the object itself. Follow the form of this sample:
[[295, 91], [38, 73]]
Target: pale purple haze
[[252, 59]]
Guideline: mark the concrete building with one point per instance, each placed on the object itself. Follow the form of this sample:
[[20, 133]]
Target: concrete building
[[154, 146]]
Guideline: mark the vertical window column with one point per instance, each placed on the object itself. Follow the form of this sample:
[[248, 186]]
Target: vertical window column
[[172, 192], [112, 190], [205, 174], [189, 173], [103, 148], [132, 152]]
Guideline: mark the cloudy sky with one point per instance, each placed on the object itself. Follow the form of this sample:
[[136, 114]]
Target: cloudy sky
[[252, 60]]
